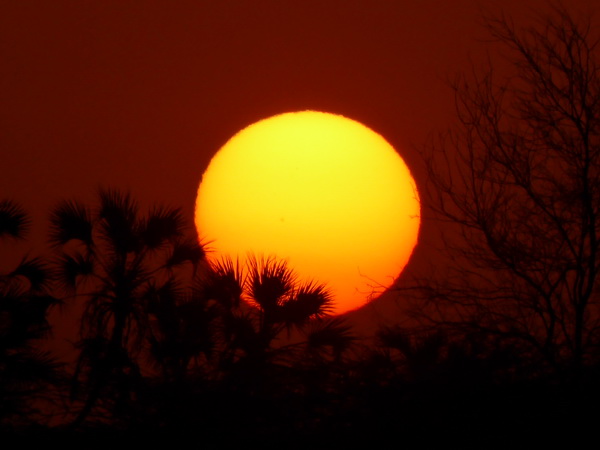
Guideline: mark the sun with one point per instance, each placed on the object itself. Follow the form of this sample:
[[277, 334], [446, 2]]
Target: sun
[[322, 191]]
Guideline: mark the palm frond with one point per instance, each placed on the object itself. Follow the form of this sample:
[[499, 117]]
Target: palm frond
[[13, 220], [70, 221], [269, 282], [331, 333], [72, 267], [311, 300], [223, 283], [119, 223], [35, 271], [183, 252], [161, 225]]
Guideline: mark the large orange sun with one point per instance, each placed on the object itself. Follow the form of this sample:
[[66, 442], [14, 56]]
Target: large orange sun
[[321, 191]]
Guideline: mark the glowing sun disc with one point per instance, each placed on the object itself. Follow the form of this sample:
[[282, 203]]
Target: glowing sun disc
[[324, 192]]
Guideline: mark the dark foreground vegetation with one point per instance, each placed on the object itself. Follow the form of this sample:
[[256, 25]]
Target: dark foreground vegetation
[[173, 349]]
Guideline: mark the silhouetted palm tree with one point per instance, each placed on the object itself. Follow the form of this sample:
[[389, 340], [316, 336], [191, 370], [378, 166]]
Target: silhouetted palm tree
[[25, 371], [257, 304], [261, 364], [114, 258]]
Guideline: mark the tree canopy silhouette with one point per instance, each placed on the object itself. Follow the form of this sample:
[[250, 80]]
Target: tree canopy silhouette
[[26, 371], [114, 258], [518, 180], [257, 303]]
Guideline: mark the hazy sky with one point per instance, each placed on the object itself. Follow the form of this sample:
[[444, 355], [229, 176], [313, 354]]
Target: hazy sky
[[139, 95]]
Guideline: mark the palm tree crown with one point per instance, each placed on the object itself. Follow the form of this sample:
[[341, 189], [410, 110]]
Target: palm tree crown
[[111, 256], [257, 303]]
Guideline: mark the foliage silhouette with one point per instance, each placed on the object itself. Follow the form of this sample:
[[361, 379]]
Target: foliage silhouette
[[221, 359], [257, 304], [283, 386], [183, 331], [13, 220], [115, 259], [221, 352], [26, 372], [518, 179], [329, 339]]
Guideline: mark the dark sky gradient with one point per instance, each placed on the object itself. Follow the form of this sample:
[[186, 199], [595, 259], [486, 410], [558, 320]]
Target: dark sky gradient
[[139, 95]]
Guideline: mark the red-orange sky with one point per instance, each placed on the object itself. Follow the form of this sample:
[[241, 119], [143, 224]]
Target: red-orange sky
[[139, 95]]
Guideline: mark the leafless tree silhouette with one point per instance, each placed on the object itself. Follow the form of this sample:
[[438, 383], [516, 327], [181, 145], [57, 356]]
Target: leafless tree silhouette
[[518, 183]]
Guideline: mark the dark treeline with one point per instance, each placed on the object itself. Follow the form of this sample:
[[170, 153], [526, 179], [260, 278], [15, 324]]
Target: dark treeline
[[172, 347]]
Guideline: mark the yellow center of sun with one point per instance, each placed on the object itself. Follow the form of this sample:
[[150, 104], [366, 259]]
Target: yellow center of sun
[[321, 191]]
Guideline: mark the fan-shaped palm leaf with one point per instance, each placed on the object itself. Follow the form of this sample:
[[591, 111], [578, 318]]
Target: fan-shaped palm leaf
[[119, 222], [13, 220], [72, 268], [310, 300], [270, 282], [70, 221], [35, 271], [162, 225], [188, 251], [223, 283]]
